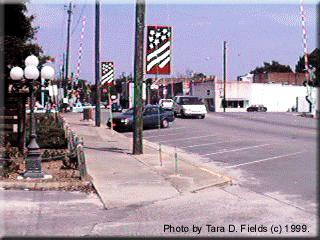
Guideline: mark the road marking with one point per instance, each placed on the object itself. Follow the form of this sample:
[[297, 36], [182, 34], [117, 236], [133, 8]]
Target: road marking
[[234, 150], [206, 144], [163, 135], [165, 129], [178, 139], [263, 160]]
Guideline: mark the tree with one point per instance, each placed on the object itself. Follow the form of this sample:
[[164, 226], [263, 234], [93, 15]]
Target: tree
[[273, 67], [19, 33], [314, 62], [199, 75]]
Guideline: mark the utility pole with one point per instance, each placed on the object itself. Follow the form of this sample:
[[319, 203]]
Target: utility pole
[[63, 68], [172, 90], [138, 78], [68, 49], [97, 65], [224, 74]]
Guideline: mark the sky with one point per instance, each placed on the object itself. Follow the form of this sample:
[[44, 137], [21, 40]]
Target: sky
[[255, 33]]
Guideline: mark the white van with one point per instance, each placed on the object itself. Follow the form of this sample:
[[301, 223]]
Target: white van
[[189, 106]]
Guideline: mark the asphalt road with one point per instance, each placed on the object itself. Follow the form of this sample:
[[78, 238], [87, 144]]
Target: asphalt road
[[273, 154]]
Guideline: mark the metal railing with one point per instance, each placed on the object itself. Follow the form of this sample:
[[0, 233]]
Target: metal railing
[[76, 153]]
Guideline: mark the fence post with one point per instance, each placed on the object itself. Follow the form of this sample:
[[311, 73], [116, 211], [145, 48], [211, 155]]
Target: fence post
[[176, 160], [160, 154], [81, 160]]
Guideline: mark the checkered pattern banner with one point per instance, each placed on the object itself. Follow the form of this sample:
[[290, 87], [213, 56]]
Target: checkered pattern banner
[[107, 73], [158, 50]]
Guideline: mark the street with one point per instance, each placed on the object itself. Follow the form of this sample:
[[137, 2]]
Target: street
[[271, 158], [273, 154]]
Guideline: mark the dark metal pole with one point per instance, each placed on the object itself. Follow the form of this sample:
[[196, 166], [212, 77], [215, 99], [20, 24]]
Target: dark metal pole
[[68, 49], [63, 69], [138, 78], [97, 65], [172, 90], [224, 75], [33, 159]]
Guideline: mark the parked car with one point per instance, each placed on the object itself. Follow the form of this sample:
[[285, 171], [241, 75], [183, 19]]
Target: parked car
[[257, 108], [189, 106], [152, 115], [166, 103], [116, 107]]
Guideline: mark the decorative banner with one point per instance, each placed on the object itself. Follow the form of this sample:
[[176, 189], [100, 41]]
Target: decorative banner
[[158, 50], [80, 47], [107, 72]]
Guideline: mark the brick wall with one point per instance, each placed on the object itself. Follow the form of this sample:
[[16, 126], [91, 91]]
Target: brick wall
[[279, 77]]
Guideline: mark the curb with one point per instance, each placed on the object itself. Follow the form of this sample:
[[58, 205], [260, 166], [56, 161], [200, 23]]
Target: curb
[[44, 185], [185, 157]]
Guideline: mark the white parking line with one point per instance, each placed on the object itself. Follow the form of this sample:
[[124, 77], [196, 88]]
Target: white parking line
[[165, 129], [207, 144], [163, 135], [185, 139], [263, 160], [235, 150], [177, 128]]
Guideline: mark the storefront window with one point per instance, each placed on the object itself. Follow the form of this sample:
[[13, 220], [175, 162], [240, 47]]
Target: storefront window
[[236, 103]]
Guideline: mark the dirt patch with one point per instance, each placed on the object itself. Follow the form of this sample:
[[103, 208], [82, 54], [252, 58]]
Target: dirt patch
[[63, 178]]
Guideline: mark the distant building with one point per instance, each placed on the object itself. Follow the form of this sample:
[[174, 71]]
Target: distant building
[[279, 95], [288, 78]]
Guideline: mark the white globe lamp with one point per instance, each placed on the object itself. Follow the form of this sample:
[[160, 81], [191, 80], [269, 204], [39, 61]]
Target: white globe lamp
[[16, 73], [31, 72], [47, 72], [32, 60]]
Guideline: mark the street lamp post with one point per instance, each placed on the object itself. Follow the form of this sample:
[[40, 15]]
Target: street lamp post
[[31, 75]]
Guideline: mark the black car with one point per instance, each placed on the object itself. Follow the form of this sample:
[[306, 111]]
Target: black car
[[256, 108], [116, 108], [152, 115]]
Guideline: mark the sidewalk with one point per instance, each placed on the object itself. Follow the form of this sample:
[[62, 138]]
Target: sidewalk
[[123, 180]]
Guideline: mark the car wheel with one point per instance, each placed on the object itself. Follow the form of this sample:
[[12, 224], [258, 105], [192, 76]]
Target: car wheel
[[202, 116], [182, 114], [164, 123]]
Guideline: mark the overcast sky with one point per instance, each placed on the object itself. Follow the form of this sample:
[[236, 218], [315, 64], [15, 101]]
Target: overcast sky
[[255, 33]]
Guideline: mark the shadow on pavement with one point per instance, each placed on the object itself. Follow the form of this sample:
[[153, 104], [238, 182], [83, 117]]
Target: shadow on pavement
[[109, 149]]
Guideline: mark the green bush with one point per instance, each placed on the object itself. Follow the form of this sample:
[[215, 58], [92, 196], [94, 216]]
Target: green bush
[[50, 133]]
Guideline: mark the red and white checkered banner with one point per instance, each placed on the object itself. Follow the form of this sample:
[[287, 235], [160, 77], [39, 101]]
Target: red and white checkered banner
[[304, 37], [107, 73], [158, 54], [80, 47]]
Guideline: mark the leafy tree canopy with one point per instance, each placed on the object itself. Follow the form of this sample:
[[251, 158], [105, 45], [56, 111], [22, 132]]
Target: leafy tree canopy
[[199, 75], [274, 66], [314, 62], [19, 33]]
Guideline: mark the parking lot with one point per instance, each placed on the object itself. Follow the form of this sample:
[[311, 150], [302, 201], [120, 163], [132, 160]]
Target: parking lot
[[270, 153]]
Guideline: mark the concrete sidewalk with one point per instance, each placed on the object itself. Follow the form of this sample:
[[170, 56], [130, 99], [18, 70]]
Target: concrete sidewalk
[[123, 180]]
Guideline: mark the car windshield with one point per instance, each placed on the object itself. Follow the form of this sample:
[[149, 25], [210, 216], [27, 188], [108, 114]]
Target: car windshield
[[166, 101], [190, 101]]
